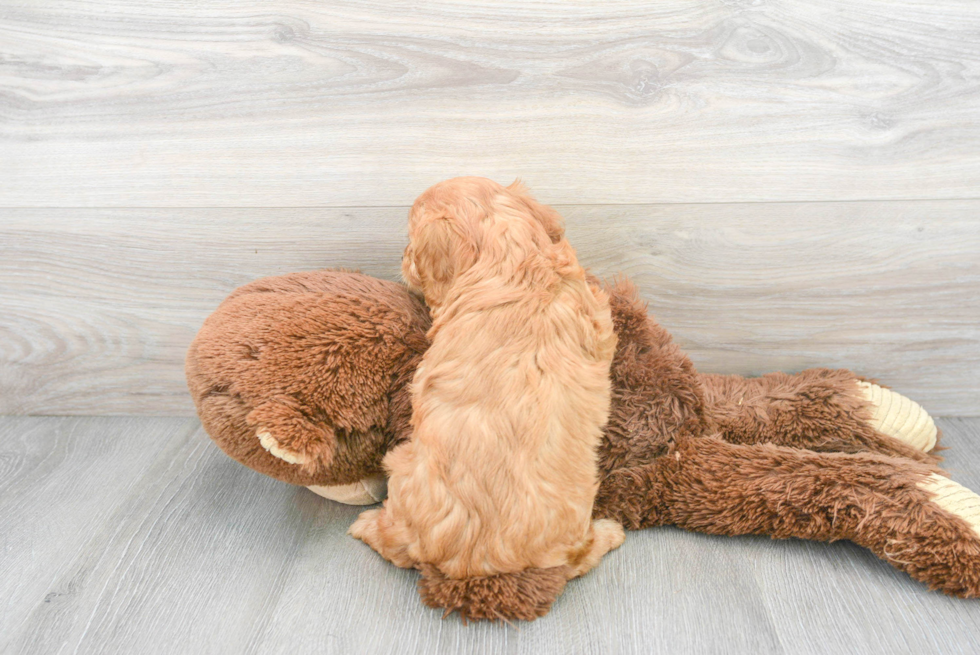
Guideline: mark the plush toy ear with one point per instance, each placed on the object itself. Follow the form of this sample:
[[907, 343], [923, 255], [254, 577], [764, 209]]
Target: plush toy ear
[[551, 220]]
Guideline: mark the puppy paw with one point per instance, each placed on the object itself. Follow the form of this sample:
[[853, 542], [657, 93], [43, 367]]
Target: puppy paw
[[276, 449], [896, 416], [365, 527], [607, 535], [609, 532], [363, 492]]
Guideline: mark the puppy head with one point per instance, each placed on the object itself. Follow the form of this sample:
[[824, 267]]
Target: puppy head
[[444, 230], [457, 222]]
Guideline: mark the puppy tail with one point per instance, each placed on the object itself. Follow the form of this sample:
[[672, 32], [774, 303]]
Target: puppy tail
[[524, 595]]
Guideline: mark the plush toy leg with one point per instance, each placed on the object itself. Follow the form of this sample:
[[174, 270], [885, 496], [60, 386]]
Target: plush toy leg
[[819, 409], [905, 512]]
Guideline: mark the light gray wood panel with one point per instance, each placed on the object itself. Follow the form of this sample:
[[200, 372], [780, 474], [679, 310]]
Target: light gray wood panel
[[189, 562], [890, 290], [62, 483], [194, 553], [294, 103], [649, 596], [97, 307]]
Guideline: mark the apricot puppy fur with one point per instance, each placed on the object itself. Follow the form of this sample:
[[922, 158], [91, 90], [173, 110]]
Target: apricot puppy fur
[[508, 402]]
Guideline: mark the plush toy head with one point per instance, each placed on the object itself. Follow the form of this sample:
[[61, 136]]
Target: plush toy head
[[304, 378], [312, 367]]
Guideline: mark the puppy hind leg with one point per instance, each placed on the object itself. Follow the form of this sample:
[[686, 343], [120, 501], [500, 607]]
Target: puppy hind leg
[[375, 528], [606, 535]]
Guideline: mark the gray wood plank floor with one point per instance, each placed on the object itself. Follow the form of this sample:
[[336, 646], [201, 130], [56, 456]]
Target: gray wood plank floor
[[123, 535], [137, 103]]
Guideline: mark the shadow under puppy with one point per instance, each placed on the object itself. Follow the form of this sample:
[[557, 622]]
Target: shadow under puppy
[[495, 489]]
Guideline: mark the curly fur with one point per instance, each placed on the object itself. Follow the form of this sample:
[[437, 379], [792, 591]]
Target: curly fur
[[510, 399]]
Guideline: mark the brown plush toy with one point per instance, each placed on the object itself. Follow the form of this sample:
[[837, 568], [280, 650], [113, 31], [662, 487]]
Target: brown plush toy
[[305, 378]]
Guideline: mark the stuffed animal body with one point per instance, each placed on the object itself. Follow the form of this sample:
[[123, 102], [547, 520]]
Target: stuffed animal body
[[319, 365]]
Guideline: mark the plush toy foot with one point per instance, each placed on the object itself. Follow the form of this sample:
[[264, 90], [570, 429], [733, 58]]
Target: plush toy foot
[[898, 417], [944, 550], [955, 499], [368, 491], [278, 450]]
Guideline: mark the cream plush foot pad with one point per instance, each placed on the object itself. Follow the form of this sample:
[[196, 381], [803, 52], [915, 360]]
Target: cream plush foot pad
[[363, 492], [897, 416], [269, 443], [954, 498]]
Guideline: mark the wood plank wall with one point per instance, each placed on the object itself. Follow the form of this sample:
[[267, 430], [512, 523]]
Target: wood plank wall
[[791, 184]]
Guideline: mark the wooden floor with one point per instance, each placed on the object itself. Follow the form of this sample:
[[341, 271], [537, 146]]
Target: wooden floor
[[137, 535]]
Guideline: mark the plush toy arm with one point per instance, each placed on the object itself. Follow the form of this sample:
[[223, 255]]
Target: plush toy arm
[[819, 409], [907, 513]]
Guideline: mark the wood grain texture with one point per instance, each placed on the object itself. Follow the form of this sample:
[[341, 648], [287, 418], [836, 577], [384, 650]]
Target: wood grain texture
[[97, 307], [177, 548], [63, 483], [352, 103], [183, 565]]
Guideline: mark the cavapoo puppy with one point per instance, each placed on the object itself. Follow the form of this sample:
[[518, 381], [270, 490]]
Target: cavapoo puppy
[[500, 474]]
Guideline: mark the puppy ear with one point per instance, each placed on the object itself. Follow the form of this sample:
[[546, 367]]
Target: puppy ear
[[433, 254], [545, 215], [441, 252]]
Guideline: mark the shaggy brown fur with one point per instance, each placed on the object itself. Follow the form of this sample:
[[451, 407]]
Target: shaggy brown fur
[[525, 595], [323, 359], [819, 409], [709, 485], [720, 454]]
